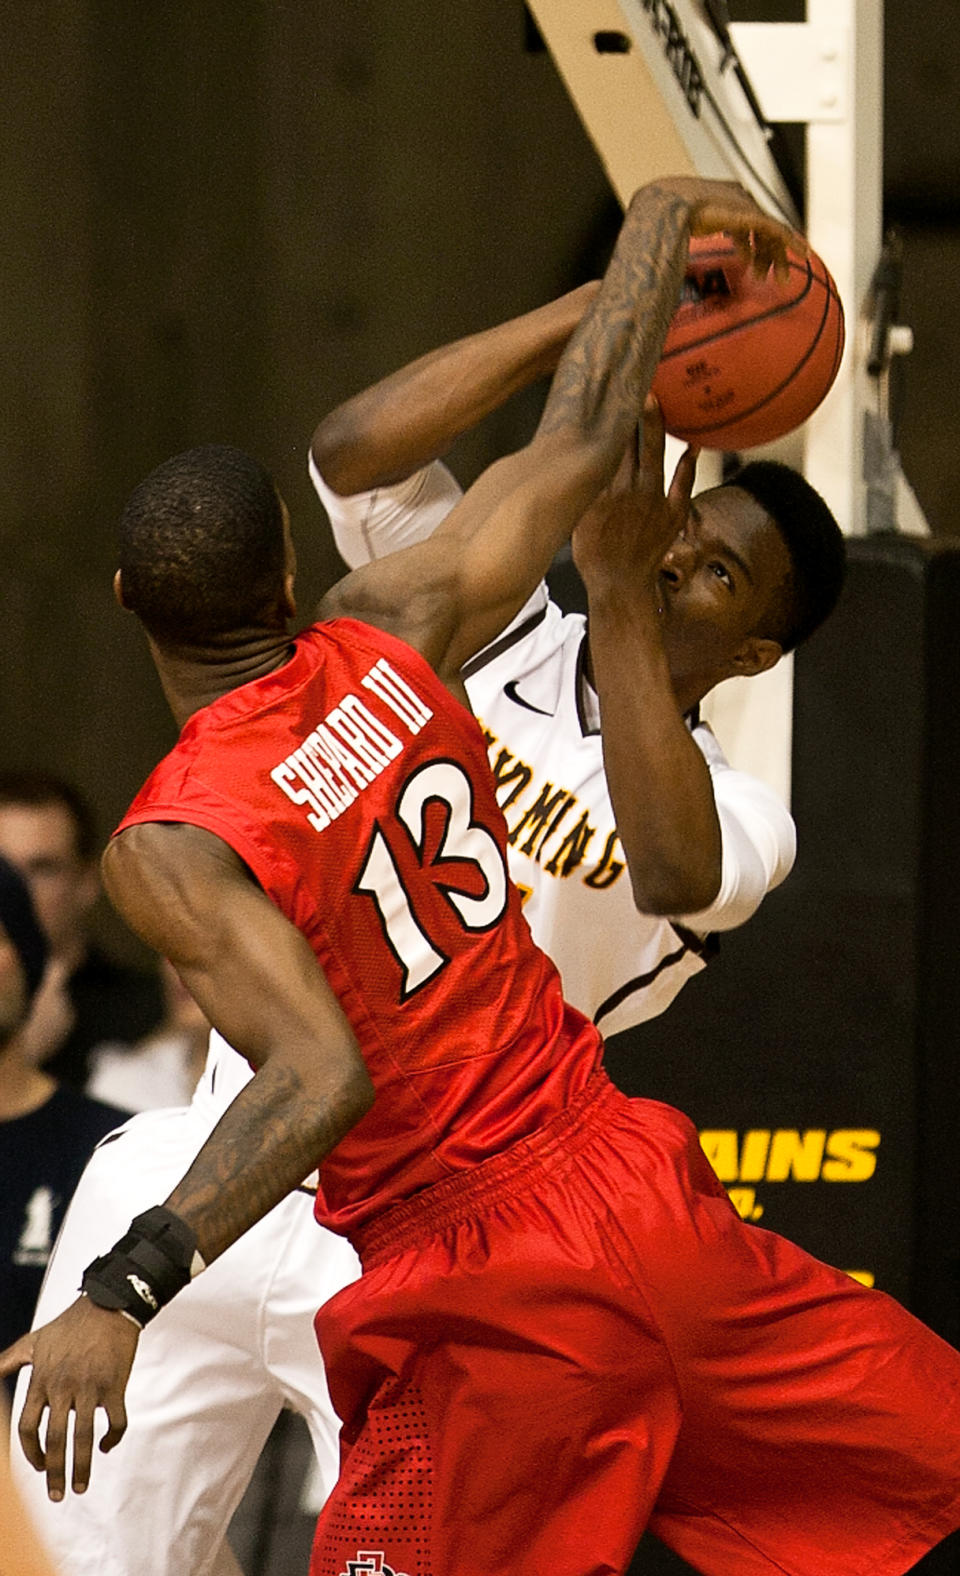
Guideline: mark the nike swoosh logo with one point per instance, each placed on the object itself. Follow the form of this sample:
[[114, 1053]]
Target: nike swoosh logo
[[510, 690]]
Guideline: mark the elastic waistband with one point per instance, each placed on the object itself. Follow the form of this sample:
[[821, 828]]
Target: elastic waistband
[[461, 1196]]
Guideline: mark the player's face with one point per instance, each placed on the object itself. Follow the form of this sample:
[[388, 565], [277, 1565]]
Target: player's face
[[720, 579], [13, 989], [41, 841]]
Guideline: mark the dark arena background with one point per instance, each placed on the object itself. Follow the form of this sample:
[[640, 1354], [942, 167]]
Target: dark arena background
[[221, 220]]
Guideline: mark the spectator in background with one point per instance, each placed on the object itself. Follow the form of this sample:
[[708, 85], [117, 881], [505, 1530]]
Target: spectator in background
[[163, 1069], [47, 1133], [47, 830]]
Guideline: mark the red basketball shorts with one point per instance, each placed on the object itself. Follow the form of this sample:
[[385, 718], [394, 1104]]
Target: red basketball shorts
[[581, 1339]]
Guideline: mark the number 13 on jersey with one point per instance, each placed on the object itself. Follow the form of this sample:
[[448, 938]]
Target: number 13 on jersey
[[466, 856]]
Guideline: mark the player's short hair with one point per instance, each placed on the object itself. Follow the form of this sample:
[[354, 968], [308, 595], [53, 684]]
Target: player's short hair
[[813, 539], [37, 788], [201, 545]]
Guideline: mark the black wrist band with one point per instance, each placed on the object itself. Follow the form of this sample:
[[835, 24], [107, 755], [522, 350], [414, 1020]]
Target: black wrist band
[[146, 1268]]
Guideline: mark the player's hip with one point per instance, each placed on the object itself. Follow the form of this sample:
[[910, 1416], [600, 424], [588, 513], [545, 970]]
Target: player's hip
[[576, 1149], [529, 1246]]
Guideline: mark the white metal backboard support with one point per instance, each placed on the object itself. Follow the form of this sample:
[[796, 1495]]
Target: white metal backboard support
[[644, 121], [828, 72], [646, 78]]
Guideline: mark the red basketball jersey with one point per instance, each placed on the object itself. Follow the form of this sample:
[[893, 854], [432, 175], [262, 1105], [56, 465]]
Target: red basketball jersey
[[359, 793]]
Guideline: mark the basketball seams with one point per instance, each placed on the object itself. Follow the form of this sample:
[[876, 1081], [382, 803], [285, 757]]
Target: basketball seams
[[753, 410], [815, 365], [730, 330]]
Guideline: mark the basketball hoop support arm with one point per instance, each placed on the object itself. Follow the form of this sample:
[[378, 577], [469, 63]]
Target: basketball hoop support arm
[[828, 73]]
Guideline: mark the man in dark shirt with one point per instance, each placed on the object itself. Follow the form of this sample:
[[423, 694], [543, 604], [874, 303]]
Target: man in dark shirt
[[46, 1132], [86, 999]]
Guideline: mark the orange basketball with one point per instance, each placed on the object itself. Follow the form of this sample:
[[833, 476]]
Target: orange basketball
[[745, 359]]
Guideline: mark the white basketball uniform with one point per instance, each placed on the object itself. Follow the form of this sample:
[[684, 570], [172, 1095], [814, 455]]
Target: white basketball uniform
[[214, 1368]]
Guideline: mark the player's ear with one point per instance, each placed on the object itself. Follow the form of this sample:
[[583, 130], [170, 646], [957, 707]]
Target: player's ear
[[288, 599], [118, 588], [756, 655], [289, 595]]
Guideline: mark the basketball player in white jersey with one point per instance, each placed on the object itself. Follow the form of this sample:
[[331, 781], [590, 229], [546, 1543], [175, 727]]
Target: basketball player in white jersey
[[212, 1374], [704, 843]]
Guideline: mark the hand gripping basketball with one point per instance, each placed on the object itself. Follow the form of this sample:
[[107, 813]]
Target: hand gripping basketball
[[748, 356], [759, 239]]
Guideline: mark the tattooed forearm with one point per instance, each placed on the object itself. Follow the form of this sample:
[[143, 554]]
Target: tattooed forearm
[[272, 1136], [611, 359]]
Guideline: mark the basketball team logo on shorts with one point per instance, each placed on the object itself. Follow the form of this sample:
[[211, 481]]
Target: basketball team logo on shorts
[[370, 1562]]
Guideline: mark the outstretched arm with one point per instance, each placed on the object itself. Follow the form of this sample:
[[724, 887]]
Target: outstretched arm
[[450, 596], [256, 978], [400, 424], [375, 460], [702, 844], [659, 782]]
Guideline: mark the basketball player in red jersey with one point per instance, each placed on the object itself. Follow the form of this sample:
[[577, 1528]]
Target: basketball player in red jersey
[[563, 1330]]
